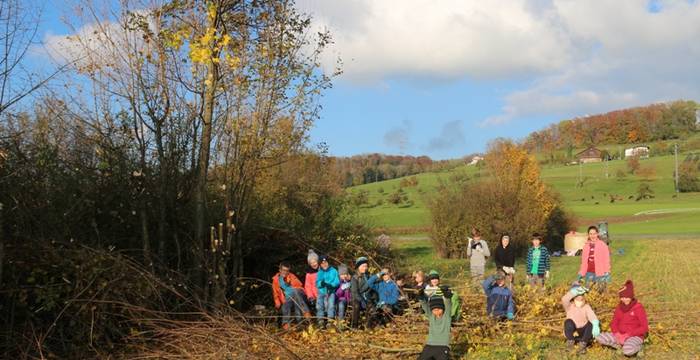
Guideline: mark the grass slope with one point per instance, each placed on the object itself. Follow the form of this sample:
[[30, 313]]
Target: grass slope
[[667, 213]]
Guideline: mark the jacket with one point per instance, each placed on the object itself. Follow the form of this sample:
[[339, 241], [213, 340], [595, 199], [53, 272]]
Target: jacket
[[310, 288], [505, 257], [278, 293], [580, 316], [478, 252], [543, 263], [359, 288], [388, 290], [344, 295], [632, 323], [499, 300], [439, 329], [601, 258], [330, 277]]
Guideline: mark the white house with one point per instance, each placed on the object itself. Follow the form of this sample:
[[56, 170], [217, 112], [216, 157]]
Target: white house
[[475, 160], [641, 151]]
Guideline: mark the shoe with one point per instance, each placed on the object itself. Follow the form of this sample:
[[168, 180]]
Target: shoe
[[582, 348], [307, 315], [570, 344], [285, 326]]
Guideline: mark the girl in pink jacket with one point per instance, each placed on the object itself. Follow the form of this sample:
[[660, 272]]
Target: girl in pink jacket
[[595, 261]]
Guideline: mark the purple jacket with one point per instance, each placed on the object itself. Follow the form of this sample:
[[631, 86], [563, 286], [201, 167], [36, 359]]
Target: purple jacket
[[343, 295]]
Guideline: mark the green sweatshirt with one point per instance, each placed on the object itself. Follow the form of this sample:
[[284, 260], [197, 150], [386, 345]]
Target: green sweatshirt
[[439, 329]]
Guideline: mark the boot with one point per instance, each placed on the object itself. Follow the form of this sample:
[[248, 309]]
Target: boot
[[582, 348], [285, 326], [570, 344], [307, 315]]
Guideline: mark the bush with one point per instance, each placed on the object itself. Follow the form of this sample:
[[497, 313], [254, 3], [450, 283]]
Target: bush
[[644, 191], [688, 176], [633, 164], [620, 174]]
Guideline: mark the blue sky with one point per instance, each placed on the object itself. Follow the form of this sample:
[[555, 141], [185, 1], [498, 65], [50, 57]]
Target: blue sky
[[444, 78]]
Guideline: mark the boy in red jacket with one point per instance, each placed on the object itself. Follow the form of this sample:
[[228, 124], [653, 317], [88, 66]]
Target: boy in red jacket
[[629, 324], [288, 294]]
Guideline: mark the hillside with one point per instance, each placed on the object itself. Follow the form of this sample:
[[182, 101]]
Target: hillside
[[667, 213]]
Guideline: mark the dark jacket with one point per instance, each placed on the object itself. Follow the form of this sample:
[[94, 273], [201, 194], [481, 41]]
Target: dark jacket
[[360, 289], [505, 257], [543, 263], [499, 300]]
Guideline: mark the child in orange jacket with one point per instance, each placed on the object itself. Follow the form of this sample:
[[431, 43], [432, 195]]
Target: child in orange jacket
[[288, 294]]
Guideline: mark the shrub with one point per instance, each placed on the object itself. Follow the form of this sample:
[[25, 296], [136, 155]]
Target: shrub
[[688, 176], [633, 164], [360, 198], [620, 174], [644, 191]]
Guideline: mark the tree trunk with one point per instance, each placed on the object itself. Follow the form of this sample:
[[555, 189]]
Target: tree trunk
[[201, 240], [2, 244]]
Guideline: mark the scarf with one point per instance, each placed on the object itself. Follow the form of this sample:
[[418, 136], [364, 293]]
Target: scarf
[[626, 308]]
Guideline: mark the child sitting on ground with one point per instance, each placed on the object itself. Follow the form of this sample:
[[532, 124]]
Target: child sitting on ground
[[581, 324], [629, 324], [437, 309], [499, 298], [288, 294], [343, 294], [388, 293]]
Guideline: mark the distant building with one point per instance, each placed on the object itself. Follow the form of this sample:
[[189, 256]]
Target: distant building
[[475, 160], [590, 155], [641, 151]]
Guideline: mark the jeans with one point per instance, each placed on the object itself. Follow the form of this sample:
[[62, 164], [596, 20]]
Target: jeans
[[585, 334], [342, 305], [325, 306], [432, 352], [294, 301]]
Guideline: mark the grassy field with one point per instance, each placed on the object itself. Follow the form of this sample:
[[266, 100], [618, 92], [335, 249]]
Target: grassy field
[[667, 213]]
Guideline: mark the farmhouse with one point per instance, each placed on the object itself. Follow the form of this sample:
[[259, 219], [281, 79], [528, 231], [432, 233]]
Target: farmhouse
[[475, 160], [590, 155], [641, 151]]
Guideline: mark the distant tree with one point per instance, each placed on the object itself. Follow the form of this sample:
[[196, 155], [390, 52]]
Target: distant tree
[[644, 191], [633, 164], [688, 176]]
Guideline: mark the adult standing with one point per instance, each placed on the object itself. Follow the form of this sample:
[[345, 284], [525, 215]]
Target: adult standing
[[505, 259], [595, 261], [477, 251]]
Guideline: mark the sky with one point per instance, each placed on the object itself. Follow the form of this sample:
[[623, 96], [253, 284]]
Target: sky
[[443, 78]]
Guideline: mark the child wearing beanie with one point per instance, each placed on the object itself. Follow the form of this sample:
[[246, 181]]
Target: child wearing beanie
[[437, 309], [629, 324], [343, 294]]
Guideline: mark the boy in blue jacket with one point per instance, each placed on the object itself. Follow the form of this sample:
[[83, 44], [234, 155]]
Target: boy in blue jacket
[[327, 281], [499, 298], [388, 292], [537, 262]]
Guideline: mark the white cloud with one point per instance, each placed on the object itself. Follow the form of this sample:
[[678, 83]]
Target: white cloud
[[577, 57], [446, 39]]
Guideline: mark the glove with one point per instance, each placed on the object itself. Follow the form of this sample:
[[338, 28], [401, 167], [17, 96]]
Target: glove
[[323, 284], [546, 274], [510, 316], [345, 286], [421, 292], [446, 292], [579, 290], [596, 328]]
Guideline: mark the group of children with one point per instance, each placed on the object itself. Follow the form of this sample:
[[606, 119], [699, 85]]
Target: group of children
[[378, 296]]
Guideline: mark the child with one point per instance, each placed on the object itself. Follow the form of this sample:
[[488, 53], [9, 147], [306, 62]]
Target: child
[[388, 293], [418, 285], [477, 251], [499, 298], [433, 288], [595, 261], [288, 294], [537, 261], [580, 319], [343, 294], [437, 309], [327, 282], [361, 292], [310, 288], [629, 324], [505, 259]]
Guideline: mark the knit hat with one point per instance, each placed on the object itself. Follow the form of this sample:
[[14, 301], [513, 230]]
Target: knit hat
[[342, 270], [322, 258], [627, 291], [436, 302], [312, 256], [433, 274], [361, 260]]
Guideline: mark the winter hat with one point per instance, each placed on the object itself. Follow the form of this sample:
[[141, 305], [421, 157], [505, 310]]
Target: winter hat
[[361, 260], [342, 270], [436, 302], [322, 258], [312, 256], [627, 291], [433, 274]]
